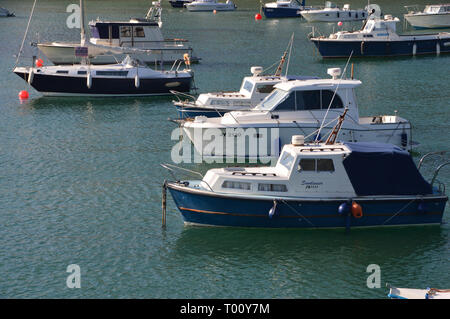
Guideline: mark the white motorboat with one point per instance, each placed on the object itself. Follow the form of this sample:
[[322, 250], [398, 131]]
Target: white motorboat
[[378, 38], [332, 13], [112, 41], [409, 293], [314, 185], [253, 90], [5, 13], [210, 5], [285, 8], [295, 107], [129, 78], [434, 16]]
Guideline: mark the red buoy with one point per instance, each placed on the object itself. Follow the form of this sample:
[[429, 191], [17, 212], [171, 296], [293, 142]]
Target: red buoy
[[23, 95], [340, 23], [258, 16], [39, 63]]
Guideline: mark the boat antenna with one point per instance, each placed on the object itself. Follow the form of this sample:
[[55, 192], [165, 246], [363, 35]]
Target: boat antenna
[[26, 32], [283, 57], [332, 138], [332, 99]]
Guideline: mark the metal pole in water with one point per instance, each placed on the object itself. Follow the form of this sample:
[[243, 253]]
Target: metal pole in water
[[164, 196]]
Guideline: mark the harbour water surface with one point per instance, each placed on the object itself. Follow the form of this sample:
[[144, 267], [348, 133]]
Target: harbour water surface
[[80, 180]]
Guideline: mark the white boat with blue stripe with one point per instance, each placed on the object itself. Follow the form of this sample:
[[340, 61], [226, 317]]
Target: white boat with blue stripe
[[315, 185]]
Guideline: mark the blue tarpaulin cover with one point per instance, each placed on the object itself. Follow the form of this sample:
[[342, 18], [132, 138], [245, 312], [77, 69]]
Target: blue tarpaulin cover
[[383, 169]]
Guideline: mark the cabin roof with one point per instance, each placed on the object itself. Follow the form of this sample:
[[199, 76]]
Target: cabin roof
[[315, 84], [123, 23]]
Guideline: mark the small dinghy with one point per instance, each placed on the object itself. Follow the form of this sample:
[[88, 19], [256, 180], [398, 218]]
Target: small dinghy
[[315, 185], [408, 293], [129, 78]]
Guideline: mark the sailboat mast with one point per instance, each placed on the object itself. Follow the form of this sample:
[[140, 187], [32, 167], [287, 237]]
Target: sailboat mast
[[82, 32]]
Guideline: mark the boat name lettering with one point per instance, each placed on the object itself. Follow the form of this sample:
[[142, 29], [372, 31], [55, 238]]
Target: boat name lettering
[[309, 185]]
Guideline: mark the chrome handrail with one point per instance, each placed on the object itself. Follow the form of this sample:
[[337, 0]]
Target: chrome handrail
[[428, 154], [437, 171]]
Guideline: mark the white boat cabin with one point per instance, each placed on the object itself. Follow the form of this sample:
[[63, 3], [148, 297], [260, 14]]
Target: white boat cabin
[[311, 97], [373, 29], [253, 90], [134, 33], [302, 170]]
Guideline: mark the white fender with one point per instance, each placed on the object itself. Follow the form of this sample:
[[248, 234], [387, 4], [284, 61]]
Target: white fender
[[30, 76], [89, 79], [438, 49], [414, 49], [137, 82]]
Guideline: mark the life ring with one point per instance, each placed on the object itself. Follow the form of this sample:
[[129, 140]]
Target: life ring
[[357, 210]]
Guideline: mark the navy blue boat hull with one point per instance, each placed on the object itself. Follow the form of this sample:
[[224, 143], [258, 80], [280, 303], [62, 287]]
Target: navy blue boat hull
[[58, 85], [217, 210], [343, 49], [281, 12], [178, 4]]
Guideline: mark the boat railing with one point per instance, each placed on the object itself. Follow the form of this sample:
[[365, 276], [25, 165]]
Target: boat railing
[[181, 96], [167, 42], [171, 168], [436, 172], [427, 155], [414, 8]]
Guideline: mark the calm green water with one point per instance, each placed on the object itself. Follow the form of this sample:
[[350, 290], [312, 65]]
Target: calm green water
[[80, 181]]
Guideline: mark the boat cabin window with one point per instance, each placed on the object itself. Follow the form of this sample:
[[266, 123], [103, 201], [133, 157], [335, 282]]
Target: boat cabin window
[[286, 159], [125, 32], [112, 73], [104, 31], [81, 72], [236, 185], [62, 71], [139, 32], [316, 165], [301, 100], [272, 187], [264, 88], [247, 86], [288, 104], [272, 99]]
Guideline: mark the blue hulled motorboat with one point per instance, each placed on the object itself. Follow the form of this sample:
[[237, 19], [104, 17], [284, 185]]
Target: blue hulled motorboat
[[284, 9], [378, 38], [315, 185], [179, 3]]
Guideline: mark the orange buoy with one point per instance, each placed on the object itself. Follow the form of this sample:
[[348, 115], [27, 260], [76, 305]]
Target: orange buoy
[[214, 11], [23, 95], [258, 16], [39, 63], [356, 210]]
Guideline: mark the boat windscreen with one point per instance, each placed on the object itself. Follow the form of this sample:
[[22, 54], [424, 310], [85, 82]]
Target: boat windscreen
[[273, 99]]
